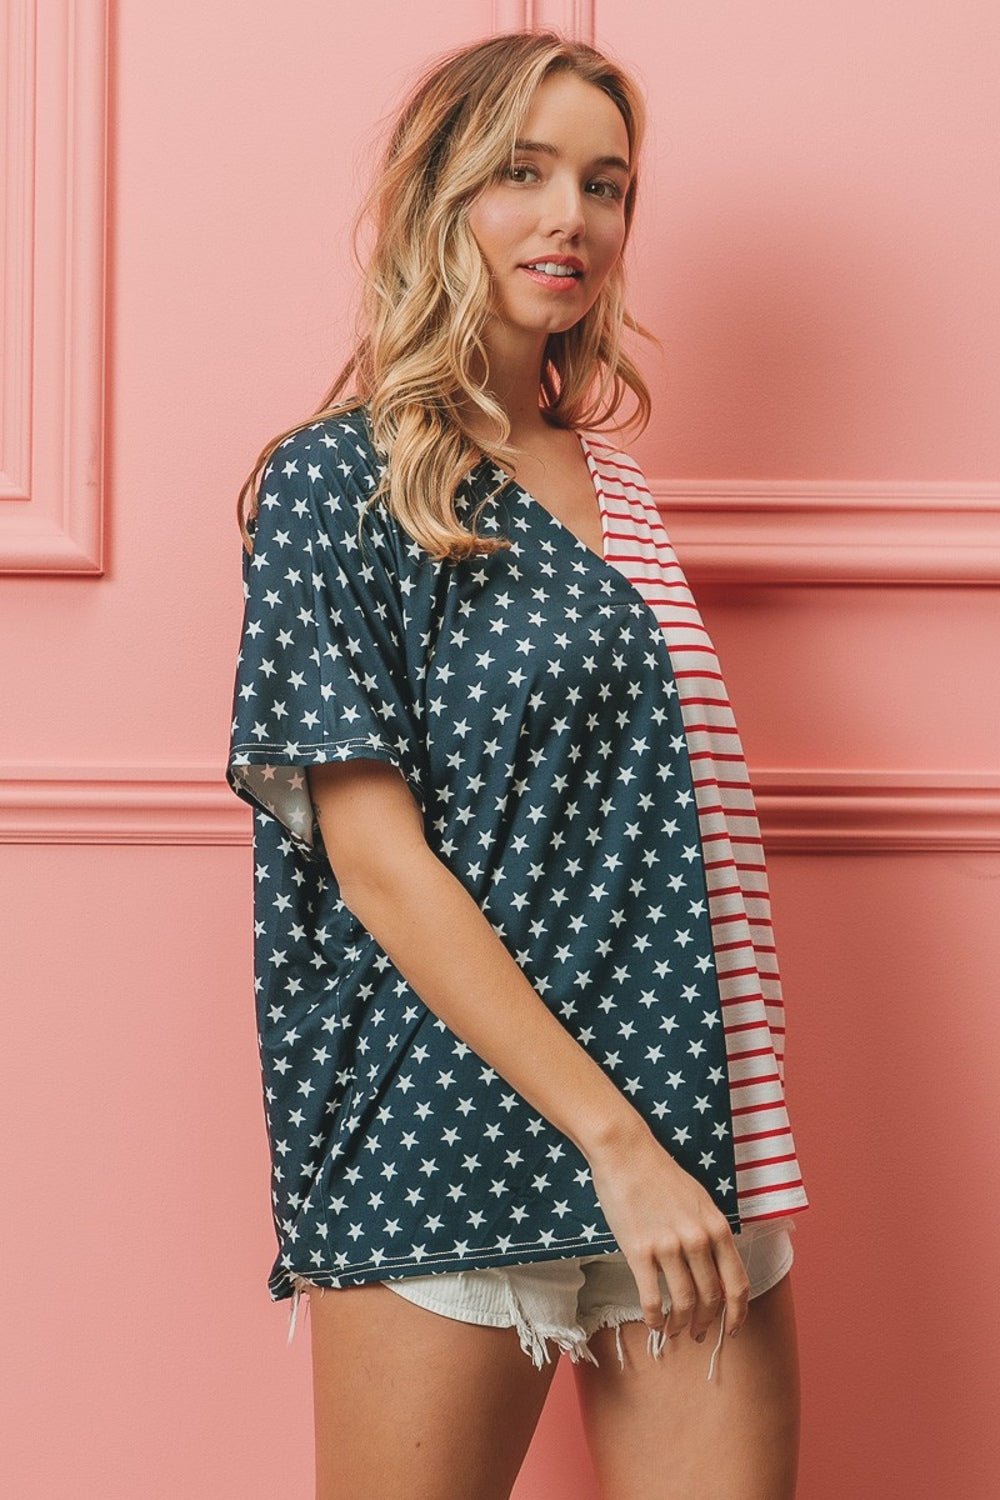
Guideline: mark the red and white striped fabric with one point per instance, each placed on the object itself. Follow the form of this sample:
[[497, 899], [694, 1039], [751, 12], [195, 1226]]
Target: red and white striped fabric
[[769, 1181]]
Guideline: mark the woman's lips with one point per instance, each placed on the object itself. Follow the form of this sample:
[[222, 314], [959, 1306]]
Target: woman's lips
[[554, 283]]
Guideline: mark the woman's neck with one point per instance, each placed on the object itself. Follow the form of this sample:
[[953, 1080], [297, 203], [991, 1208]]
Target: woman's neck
[[515, 367]]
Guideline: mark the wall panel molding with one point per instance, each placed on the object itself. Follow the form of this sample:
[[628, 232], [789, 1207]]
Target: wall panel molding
[[573, 18], [801, 811], [851, 811], [53, 79], [119, 805], [833, 532]]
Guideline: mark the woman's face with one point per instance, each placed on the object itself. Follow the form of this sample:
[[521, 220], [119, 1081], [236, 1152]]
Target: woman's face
[[553, 227]]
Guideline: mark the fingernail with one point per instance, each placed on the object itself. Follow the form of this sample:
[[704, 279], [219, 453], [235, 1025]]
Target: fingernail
[[733, 1332], [699, 1338]]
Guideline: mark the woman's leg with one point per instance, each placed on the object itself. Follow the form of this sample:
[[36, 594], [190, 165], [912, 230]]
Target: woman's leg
[[659, 1430], [412, 1405]]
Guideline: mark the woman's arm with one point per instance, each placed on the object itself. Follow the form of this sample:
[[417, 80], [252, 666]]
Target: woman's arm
[[444, 946]]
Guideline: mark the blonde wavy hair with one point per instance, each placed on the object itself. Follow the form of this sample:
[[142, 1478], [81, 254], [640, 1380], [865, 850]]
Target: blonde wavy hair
[[419, 358]]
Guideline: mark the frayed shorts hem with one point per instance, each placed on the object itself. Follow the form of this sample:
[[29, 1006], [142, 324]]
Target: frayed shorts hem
[[564, 1302]]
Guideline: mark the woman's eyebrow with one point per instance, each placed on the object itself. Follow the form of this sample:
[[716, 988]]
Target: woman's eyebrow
[[548, 150]]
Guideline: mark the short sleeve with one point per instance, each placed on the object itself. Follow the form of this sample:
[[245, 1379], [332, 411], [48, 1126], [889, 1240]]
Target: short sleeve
[[322, 671]]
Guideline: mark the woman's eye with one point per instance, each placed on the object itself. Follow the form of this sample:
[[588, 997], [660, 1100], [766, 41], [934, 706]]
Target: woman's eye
[[519, 173], [606, 190]]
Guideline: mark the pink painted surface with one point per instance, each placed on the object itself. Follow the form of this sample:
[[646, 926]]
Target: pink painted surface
[[815, 253], [52, 180], [818, 242]]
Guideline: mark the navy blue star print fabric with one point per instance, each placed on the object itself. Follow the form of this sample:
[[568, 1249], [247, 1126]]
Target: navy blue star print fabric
[[529, 700]]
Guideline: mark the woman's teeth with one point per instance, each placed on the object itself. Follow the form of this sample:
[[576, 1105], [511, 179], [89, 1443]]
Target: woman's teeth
[[551, 268]]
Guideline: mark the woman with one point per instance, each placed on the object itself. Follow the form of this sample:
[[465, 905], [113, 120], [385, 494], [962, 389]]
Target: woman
[[520, 1020]]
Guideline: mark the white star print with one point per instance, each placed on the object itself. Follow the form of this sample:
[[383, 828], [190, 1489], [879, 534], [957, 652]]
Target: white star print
[[550, 760]]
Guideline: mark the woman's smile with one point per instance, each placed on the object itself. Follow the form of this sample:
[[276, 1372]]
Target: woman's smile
[[559, 273]]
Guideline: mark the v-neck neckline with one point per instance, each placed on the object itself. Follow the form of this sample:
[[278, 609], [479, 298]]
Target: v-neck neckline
[[595, 480], [616, 580]]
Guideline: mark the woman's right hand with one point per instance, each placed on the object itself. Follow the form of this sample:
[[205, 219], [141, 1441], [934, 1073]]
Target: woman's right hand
[[663, 1219]]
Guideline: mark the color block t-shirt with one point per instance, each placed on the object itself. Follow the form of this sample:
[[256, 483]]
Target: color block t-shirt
[[534, 700]]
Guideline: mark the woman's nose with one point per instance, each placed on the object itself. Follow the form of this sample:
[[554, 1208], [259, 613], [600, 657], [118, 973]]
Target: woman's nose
[[563, 209]]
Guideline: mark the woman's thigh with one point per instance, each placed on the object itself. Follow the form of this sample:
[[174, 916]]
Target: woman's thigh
[[658, 1430], [411, 1405]]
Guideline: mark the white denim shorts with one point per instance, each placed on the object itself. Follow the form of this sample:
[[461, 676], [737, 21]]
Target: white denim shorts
[[565, 1301]]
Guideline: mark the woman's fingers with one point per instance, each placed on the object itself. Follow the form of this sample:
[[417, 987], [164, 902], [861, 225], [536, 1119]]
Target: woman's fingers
[[706, 1296], [672, 1233], [735, 1283], [701, 1274], [647, 1279], [682, 1290]]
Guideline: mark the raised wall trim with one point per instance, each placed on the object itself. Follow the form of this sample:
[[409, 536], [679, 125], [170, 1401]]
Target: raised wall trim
[[801, 811], [833, 532], [573, 18], [860, 810], [53, 85]]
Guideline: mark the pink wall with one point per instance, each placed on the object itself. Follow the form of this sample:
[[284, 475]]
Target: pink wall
[[817, 254]]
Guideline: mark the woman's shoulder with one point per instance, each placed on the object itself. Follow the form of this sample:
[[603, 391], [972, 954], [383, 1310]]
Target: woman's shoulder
[[614, 462], [315, 486], [336, 449]]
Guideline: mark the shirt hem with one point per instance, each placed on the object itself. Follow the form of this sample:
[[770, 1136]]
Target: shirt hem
[[281, 1283]]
